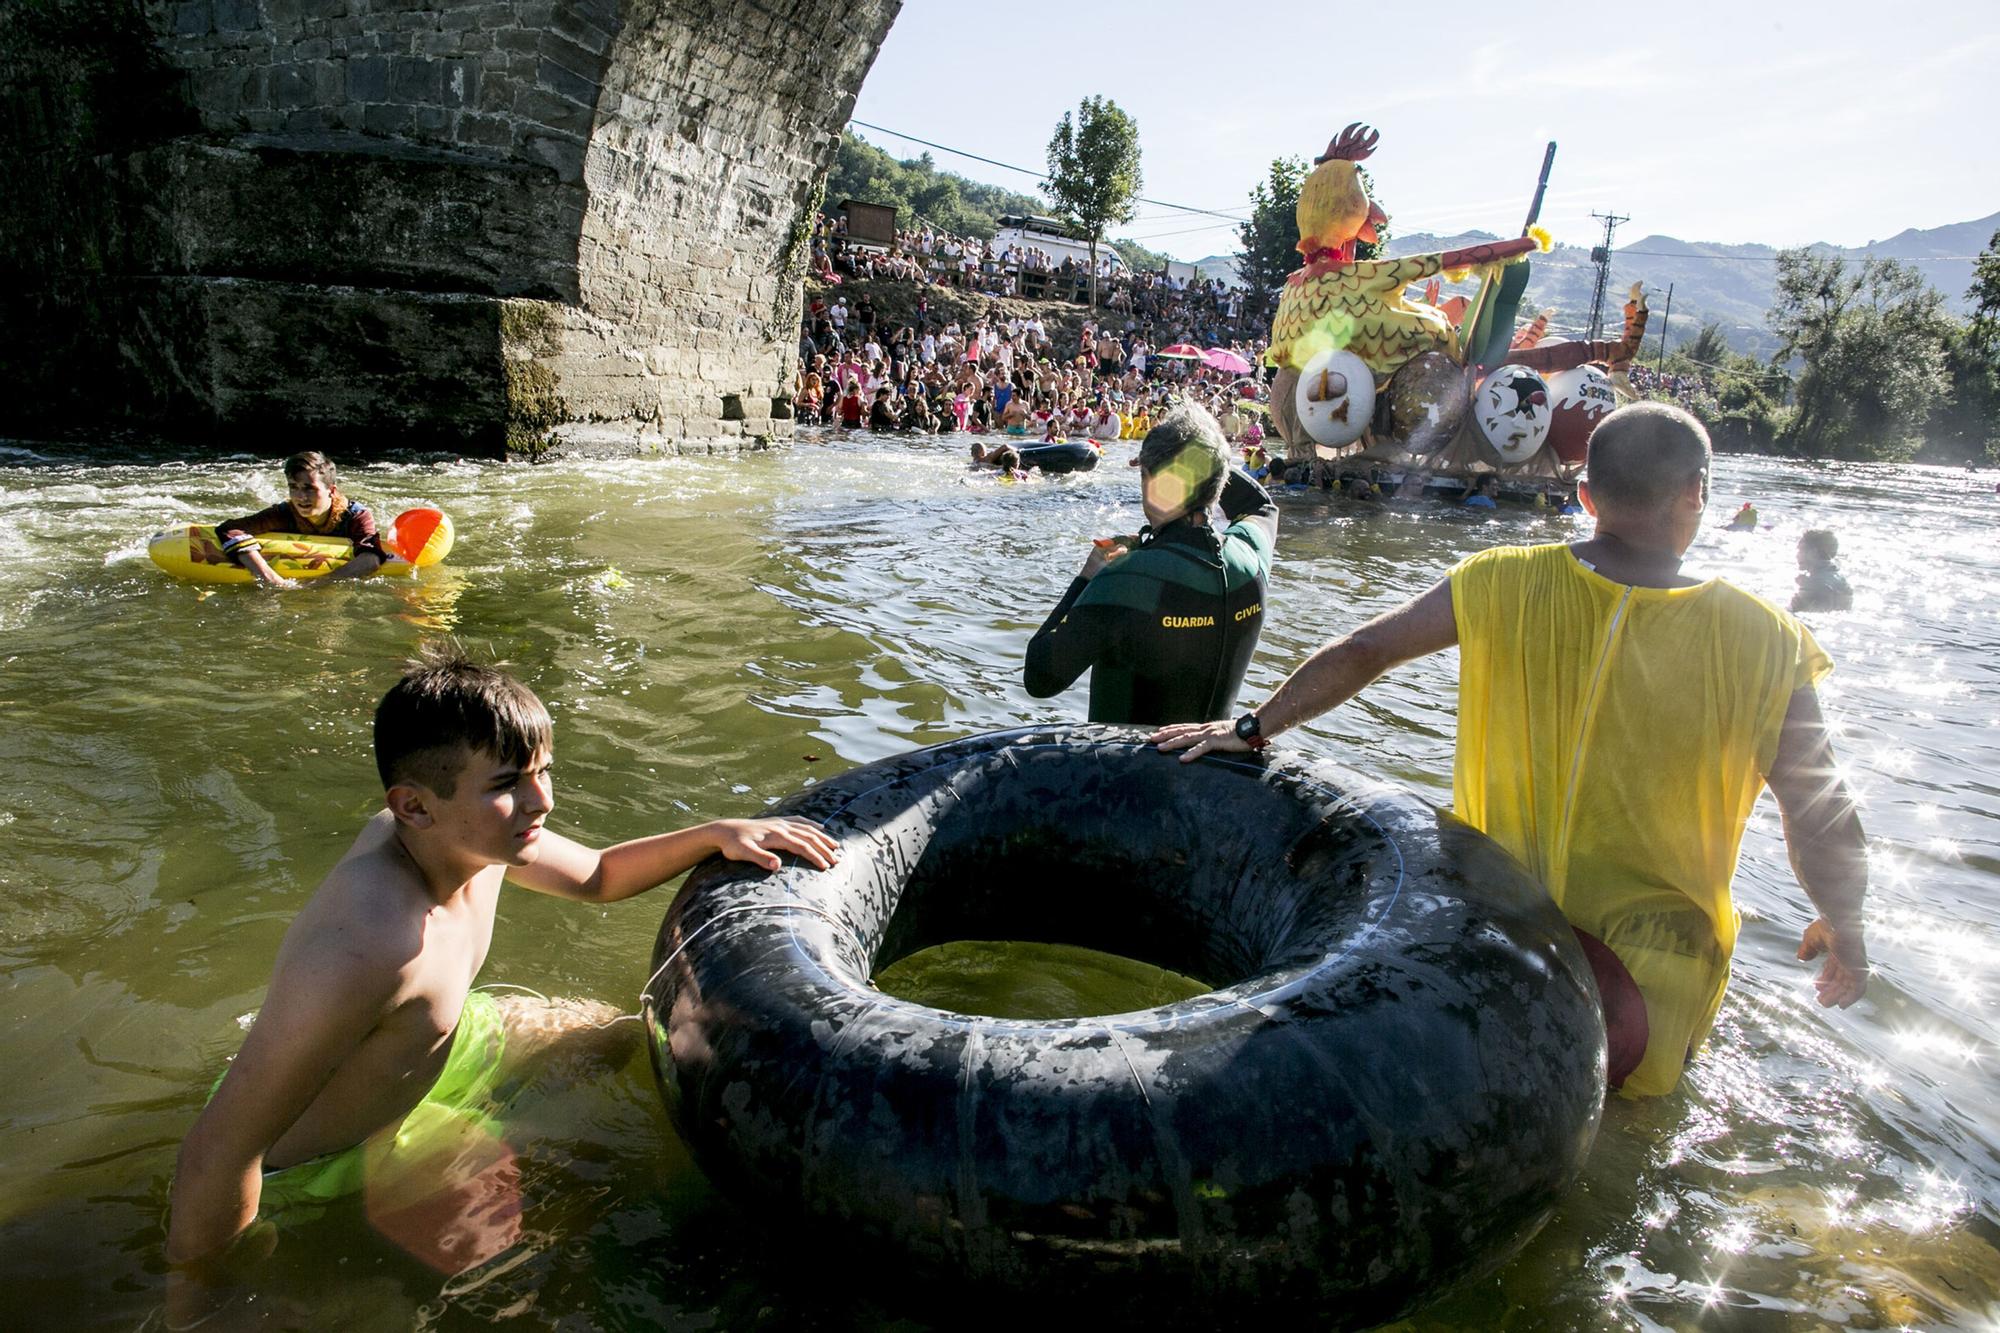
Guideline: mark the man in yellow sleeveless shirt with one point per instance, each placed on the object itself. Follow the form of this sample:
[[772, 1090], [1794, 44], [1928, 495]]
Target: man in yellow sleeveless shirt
[[1617, 721]]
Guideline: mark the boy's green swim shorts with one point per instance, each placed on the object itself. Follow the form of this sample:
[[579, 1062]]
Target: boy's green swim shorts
[[460, 1102]]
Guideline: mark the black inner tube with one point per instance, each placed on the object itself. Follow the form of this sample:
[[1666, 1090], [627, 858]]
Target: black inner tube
[[1395, 1077], [1116, 870]]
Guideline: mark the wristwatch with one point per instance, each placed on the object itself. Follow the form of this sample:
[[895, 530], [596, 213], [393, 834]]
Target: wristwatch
[[1251, 732]]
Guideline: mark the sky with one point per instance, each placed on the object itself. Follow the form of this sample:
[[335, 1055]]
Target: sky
[[1777, 123]]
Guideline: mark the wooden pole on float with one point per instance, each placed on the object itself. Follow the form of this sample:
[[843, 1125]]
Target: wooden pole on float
[[1469, 324]]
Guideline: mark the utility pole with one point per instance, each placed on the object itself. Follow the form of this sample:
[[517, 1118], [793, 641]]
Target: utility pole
[[1665, 315], [1601, 256]]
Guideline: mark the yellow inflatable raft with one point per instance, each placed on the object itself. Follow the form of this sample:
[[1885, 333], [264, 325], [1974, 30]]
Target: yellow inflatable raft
[[418, 538]]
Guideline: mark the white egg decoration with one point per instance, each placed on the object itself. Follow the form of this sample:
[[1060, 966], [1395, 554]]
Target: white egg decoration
[[1335, 398]]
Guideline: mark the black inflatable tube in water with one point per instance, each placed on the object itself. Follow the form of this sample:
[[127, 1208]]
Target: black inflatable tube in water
[[1055, 458], [1398, 1073]]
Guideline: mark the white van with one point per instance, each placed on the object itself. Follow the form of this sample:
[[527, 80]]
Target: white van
[[1049, 236]]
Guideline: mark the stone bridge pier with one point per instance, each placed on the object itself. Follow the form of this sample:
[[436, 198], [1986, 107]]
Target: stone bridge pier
[[482, 226]]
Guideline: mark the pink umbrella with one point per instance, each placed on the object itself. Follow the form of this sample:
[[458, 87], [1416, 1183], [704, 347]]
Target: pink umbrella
[[1180, 352], [1221, 358]]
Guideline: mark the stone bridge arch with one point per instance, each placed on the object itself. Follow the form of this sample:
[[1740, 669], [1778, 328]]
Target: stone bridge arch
[[461, 224]]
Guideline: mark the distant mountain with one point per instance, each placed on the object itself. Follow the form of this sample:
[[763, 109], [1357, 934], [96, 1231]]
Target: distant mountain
[[1423, 242], [1731, 285], [1222, 267]]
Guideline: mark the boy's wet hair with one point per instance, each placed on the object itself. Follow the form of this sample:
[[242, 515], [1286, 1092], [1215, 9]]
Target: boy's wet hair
[[311, 463], [1820, 542], [1643, 454], [447, 707]]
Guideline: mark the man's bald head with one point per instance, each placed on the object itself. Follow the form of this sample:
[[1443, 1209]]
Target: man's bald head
[[1643, 455]]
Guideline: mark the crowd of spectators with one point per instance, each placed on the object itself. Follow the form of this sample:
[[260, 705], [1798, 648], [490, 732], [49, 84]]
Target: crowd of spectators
[[1000, 373], [1159, 304], [1197, 310], [931, 255], [1692, 392], [1006, 373]]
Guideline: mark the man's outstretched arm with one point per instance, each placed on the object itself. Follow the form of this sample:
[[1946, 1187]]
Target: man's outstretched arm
[[1829, 851], [1334, 674]]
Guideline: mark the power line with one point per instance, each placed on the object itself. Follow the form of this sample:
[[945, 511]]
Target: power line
[[1240, 215], [1185, 231], [1038, 175], [1772, 259]]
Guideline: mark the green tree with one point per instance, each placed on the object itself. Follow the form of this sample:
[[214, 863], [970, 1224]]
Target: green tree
[[920, 192], [1968, 426], [1379, 247], [1094, 177], [1985, 297], [1871, 337], [1749, 403], [1138, 258], [1271, 237], [1708, 347]]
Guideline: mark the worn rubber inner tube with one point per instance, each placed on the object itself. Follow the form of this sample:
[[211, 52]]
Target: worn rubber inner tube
[[1398, 1073], [1052, 458]]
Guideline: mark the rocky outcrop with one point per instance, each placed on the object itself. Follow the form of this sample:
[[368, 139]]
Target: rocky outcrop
[[487, 226]]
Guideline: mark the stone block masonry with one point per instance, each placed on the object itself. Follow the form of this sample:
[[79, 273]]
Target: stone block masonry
[[493, 226]]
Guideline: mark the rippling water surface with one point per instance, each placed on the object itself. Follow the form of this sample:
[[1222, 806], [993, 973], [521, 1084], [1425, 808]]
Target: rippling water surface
[[183, 764]]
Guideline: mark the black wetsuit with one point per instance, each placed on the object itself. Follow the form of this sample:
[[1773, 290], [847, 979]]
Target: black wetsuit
[[1167, 630]]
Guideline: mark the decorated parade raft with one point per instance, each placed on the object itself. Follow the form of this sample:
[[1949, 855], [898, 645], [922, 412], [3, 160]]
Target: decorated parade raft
[[1373, 382]]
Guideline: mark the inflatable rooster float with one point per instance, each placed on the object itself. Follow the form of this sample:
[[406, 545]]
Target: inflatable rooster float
[[1447, 388]]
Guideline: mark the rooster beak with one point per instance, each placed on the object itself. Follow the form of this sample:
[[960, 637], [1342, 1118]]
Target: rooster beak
[[1375, 216]]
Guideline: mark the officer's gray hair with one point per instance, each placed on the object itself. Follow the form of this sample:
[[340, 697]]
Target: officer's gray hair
[[1188, 443]]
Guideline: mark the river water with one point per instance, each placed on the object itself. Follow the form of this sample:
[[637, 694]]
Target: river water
[[181, 765]]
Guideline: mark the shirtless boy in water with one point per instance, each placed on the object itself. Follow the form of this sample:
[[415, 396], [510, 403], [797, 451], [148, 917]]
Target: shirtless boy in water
[[370, 1012]]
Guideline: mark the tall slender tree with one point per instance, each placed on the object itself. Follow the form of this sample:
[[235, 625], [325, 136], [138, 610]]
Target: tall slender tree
[[1094, 176], [1271, 237]]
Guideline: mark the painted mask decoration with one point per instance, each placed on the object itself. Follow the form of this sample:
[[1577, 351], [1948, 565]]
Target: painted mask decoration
[[1511, 409]]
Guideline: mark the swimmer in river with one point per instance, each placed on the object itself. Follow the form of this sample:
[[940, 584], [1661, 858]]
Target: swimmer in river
[[1166, 622], [1821, 586], [315, 506], [882, 415], [370, 1032], [1005, 459]]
